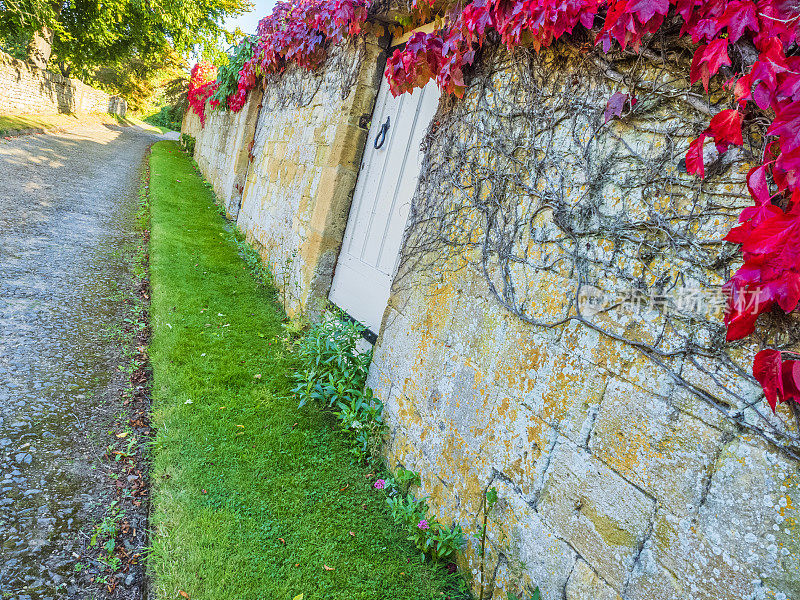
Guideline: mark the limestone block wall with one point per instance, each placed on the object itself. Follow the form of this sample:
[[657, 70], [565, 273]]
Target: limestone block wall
[[223, 147], [614, 481], [191, 124], [28, 89], [298, 178]]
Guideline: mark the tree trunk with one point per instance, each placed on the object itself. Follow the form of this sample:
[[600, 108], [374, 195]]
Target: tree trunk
[[40, 47]]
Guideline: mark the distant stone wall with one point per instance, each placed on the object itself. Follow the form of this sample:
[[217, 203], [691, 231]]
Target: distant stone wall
[[223, 149], [26, 89], [290, 191]]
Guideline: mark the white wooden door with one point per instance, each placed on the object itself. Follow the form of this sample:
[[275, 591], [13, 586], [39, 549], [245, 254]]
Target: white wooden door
[[381, 201]]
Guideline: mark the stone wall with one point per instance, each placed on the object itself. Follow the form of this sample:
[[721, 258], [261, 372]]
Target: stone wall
[[223, 148], [614, 479], [27, 89], [291, 190], [191, 124]]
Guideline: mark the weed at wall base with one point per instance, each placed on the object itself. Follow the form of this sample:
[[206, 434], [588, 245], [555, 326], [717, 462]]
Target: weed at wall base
[[333, 375]]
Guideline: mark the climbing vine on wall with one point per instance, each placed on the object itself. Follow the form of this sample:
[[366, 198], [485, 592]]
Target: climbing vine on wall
[[575, 223], [760, 35], [202, 85], [749, 47]]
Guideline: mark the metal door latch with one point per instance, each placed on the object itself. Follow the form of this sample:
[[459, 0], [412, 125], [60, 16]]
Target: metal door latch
[[381, 137]]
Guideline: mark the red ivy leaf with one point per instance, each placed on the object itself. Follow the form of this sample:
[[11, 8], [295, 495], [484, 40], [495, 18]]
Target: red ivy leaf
[[726, 129], [785, 290], [647, 9], [746, 301], [787, 126], [708, 59], [777, 239], [790, 375], [694, 157], [757, 184], [616, 104], [767, 370], [738, 17], [780, 379]]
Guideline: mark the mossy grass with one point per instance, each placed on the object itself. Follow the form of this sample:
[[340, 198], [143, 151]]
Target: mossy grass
[[252, 496], [10, 124]]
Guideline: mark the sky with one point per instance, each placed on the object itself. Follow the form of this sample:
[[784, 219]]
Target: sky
[[249, 21]]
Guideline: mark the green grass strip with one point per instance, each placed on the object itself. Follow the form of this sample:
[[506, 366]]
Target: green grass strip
[[237, 466]]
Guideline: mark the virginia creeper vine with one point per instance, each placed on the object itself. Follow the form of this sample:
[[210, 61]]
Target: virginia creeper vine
[[753, 44]]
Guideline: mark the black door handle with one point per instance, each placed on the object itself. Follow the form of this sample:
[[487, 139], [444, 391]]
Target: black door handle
[[381, 137]]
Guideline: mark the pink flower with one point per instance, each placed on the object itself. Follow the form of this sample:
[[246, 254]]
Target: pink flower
[[380, 484], [423, 524]]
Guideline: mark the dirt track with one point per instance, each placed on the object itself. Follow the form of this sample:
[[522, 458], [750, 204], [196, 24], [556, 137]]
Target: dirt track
[[67, 205]]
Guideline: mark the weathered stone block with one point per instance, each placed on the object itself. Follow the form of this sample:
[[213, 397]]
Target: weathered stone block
[[663, 450], [744, 536], [585, 584], [566, 394], [605, 518], [536, 554]]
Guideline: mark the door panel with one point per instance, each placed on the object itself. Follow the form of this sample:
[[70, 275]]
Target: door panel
[[381, 201]]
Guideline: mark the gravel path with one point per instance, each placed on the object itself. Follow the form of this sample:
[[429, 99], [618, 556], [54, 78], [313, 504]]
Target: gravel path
[[67, 202]]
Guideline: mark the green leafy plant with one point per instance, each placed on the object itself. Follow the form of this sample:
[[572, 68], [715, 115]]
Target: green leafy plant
[[167, 116], [188, 143], [407, 510], [105, 532], [489, 500], [436, 540], [432, 538], [334, 374], [536, 594], [253, 260], [402, 481], [228, 74]]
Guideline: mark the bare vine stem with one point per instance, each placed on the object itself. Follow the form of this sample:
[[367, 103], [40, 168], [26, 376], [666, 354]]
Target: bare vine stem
[[525, 185]]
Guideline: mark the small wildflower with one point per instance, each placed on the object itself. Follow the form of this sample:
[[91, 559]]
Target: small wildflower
[[356, 425], [380, 484], [423, 524]]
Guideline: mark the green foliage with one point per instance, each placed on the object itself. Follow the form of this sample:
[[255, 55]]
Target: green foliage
[[430, 537], [89, 33], [228, 72], [187, 143], [402, 481], [15, 44], [333, 375], [407, 510], [438, 541], [489, 500], [105, 532], [145, 80], [166, 117], [19, 19]]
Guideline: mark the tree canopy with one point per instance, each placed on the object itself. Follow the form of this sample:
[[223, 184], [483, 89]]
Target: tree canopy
[[101, 33]]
